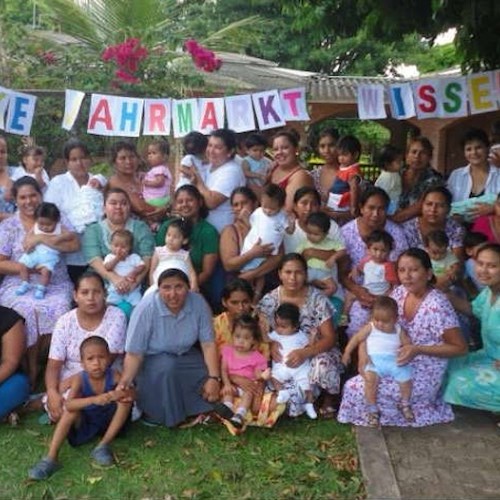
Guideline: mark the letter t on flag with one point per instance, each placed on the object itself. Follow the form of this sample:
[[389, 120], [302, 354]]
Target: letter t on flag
[[371, 102]]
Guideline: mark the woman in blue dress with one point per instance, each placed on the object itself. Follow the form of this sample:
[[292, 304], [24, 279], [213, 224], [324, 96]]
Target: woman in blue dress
[[474, 379]]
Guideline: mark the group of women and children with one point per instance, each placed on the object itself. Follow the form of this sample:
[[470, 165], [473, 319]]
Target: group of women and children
[[243, 287]]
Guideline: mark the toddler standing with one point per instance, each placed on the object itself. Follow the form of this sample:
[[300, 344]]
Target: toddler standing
[[240, 360], [344, 192], [174, 255], [255, 165], [195, 145], [389, 161], [157, 182], [93, 408], [290, 338], [383, 337], [32, 162], [126, 264], [42, 258]]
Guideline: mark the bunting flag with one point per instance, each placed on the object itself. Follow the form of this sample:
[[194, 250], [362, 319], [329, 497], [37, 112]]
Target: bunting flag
[[72, 104]]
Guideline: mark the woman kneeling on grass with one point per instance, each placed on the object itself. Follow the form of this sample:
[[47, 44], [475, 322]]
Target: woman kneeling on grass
[[93, 408]]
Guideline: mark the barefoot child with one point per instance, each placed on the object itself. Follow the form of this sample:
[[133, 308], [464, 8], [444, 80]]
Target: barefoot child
[[241, 360], [174, 255], [42, 258], [383, 337], [93, 408], [127, 265], [290, 338]]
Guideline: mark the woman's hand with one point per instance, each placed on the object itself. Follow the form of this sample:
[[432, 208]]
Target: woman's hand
[[253, 387], [121, 284], [296, 358], [407, 353], [211, 390], [228, 390], [31, 240], [364, 297], [261, 250], [55, 405], [480, 209]]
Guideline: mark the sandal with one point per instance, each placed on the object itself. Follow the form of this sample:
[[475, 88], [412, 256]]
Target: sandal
[[102, 455], [43, 469], [407, 413], [327, 413], [223, 411], [373, 419]]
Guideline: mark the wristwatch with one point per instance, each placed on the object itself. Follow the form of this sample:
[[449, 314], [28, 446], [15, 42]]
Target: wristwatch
[[215, 378]]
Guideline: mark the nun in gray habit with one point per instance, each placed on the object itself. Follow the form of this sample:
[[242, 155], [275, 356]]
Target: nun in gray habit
[[171, 353]]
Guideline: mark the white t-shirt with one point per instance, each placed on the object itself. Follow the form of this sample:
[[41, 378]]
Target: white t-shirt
[[224, 180], [292, 241], [391, 183], [270, 229], [289, 343], [18, 172], [379, 342]]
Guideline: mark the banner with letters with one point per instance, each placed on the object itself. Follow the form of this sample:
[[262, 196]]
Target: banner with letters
[[437, 97]]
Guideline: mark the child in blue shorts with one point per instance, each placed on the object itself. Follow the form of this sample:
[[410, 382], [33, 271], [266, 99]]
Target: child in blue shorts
[[93, 408], [383, 337]]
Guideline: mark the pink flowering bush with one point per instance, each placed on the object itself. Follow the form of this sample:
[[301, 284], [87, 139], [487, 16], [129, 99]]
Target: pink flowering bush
[[203, 58], [127, 57]]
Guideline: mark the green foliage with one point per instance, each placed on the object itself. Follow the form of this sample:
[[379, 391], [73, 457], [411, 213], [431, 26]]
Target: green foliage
[[296, 459]]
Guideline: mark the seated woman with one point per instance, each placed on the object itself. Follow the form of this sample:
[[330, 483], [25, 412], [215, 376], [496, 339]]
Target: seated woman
[[474, 380], [316, 321], [373, 206], [17, 236], [97, 238], [177, 376], [90, 317], [14, 384], [432, 325]]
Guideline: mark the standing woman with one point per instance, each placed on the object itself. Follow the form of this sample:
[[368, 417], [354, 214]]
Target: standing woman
[[474, 380], [287, 171], [417, 175], [7, 206], [222, 177], [16, 237], [63, 190], [125, 161]]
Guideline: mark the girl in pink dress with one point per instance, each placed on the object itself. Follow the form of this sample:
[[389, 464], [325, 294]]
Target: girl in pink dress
[[157, 183]]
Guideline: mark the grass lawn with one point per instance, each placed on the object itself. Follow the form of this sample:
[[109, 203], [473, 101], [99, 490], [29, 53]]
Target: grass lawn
[[299, 458]]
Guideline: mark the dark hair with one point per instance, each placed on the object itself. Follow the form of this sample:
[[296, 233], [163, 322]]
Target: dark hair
[[195, 193], [162, 144], [290, 134], [184, 226], [475, 134], [74, 144], [350, 144], [492, 247], [194, 143], [422, 256], [244, 191], [473, 239], [276, 193], [124, 234], [386, 155], [228, 137], [385, 302], [288, 312], [380, 236], [115, 190], [290, 257], [438, 237], [255, 140], [424, 142], [89, 274], [305, 190], [320, 220], [442, 190], [173, 273], [93, 340], [370, 191], [25, 181], [31, 150], [120, 146], [328, 132], [237, 285], [248, 322], [49, 211]]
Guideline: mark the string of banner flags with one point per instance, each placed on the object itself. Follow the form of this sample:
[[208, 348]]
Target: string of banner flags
[[122, 116]]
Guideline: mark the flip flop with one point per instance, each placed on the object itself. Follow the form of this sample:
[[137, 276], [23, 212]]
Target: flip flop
[[327, 413]]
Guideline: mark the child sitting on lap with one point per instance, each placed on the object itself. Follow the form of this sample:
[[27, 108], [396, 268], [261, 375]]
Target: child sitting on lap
[[445, 264], [241, 360], [290, 338], [93, 408], [127, 265], [42, 258], [383, 338]]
